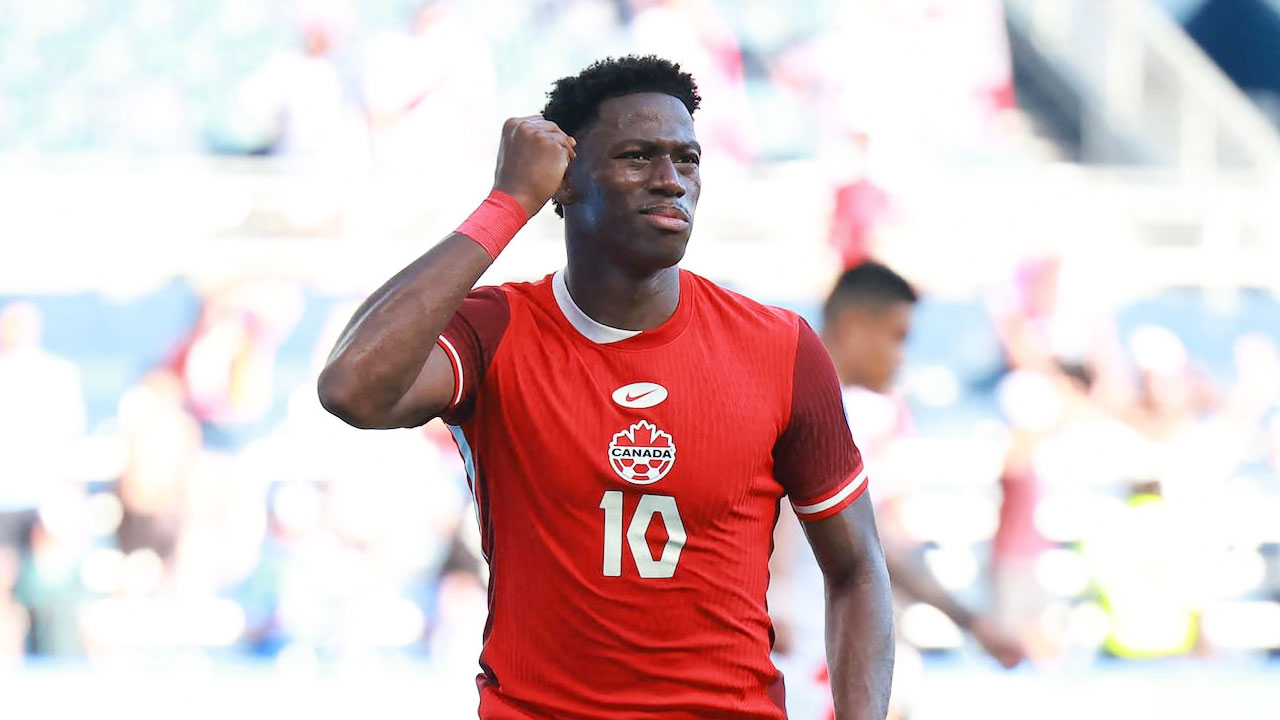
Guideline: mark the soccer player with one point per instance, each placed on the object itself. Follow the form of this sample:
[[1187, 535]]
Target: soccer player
[[628, 428], [866, 320]]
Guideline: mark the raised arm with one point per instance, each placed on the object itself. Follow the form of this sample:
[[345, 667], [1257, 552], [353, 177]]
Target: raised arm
[[386, 370], [859, 610]]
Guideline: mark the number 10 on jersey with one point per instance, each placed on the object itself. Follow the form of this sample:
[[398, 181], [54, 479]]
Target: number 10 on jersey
[[649, 505]]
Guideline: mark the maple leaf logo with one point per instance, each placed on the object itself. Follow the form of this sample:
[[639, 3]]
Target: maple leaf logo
[[642, 454]]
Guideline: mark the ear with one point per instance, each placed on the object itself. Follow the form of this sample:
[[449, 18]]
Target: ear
[[848, 322], [566, 194]]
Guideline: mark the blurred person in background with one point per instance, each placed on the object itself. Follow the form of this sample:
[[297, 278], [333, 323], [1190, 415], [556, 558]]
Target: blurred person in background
[[163, 442], [527, 374], [14, 619], [862, 207], [13, 616], [49, 585], [1056, 436], [303, 105], [1179, 411], [302, 102], [866, 320], [695, 34], [437, 79], [1155, 561], [1255, 396], [42, 418], [227, 363], [1046, 319], [1147, 564]]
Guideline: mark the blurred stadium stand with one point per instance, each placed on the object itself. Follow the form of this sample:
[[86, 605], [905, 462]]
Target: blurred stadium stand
[[141, 191]]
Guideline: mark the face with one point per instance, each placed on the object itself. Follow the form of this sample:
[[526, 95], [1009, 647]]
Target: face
[[866, 344], [631, 191]]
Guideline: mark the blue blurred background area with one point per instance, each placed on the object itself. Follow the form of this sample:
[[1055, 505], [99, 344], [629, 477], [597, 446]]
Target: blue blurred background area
[[1084, 440]]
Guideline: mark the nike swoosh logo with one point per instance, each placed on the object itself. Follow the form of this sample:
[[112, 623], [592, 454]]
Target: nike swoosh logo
[[639, 395]]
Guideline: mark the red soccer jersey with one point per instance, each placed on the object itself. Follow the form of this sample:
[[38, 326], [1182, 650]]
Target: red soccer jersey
[[627, 485]]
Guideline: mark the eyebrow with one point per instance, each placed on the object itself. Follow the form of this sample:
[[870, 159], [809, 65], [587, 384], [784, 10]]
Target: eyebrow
[[675, 145]]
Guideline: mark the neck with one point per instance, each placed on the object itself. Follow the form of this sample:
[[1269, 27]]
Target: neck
[[851, 379], [612, 297]]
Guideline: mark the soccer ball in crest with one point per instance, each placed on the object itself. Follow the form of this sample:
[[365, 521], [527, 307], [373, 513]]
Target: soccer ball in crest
[[642, 454]]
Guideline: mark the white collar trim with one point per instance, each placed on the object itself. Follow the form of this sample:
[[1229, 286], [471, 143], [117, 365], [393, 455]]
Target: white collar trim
[[590, 329]]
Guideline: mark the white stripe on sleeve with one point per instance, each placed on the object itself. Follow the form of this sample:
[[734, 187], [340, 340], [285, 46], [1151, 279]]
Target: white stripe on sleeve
[[834, 500], [456, 361]]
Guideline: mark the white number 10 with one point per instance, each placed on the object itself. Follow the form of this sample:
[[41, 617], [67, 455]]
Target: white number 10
[[665, 505]]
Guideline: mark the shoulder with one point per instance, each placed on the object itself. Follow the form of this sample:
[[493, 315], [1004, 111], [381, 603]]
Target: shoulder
[[518, 291], [727, 305], [510, 294], [495, 313]]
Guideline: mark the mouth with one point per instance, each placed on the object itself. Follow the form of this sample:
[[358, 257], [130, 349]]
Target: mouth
[[667, 217]]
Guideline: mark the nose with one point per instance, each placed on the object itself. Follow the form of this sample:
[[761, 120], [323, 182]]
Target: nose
[[664, 179]]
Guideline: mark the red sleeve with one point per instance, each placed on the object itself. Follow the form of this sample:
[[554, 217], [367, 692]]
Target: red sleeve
[[469, 341], [815, 459]]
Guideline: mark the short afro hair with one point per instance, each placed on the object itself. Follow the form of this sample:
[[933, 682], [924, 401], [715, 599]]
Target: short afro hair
[[868, 285], [573, 102]]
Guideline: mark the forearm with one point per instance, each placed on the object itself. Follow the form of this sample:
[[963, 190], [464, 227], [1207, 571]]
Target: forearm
[[912, 577], [389, 338], [860, 642]]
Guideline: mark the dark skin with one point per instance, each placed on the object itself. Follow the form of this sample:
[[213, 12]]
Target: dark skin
[[629, 202], [629, 185]]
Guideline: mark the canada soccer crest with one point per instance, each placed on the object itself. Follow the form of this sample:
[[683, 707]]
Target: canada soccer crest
[[642, 454]]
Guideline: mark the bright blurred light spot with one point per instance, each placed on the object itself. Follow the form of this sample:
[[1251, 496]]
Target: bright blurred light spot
[[1238, 572], [63, 513], [1088, 625], [1253, 517], [104, 514], [1157, 349], [1067, 517], [1029, 400], [194, 661], [928, 628], [955, 568], [298, 505], [97, 458], [102, 570], [971, 462], [143, 571], [243, 17], [934, 386], [152, 15], [297, 660], [386, 621], [1062, 572], [106, 622], [908, 671], [226, 207], [950, 519], [217, 622], [140, 622], [1054, 623], [1242, 624]]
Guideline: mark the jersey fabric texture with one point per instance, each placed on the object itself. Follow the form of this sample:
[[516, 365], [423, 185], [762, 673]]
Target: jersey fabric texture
[[627, 485]]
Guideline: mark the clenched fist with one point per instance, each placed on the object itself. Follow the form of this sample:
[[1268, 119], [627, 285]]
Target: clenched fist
[[532, 160]]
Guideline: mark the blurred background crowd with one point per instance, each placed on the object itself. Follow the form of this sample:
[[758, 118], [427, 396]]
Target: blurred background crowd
[[1084, 439]]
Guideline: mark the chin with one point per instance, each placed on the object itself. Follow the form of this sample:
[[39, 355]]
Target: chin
[[665, 258], [658, 253]]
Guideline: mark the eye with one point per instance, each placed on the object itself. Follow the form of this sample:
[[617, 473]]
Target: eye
[[634, 155], [688, 159]]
